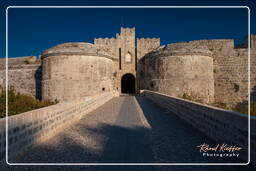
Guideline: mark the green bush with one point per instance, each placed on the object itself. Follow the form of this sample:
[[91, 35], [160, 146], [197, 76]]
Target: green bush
[[19, 103]]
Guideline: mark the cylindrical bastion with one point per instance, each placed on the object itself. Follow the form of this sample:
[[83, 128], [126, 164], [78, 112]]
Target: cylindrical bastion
[[181, 72], [73, 71]]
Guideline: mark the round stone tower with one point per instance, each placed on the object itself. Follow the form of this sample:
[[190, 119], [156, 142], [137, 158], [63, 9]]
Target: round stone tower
[[73, 71], [180, 71]]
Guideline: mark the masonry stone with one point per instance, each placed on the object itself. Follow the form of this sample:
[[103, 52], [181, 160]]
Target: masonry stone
[[211, 70]]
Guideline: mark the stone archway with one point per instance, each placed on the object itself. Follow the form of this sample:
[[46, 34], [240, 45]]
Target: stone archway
[[128, 83]]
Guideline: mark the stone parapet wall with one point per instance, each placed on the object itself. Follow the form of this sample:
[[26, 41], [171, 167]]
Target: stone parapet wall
[[76, 48], [18, 61], [221, 125], [25, 79], [108, 44], [31, 127], [204, 44], [145, 45]]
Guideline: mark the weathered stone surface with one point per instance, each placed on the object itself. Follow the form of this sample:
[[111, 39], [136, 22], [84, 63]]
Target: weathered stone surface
[[37, 125], [174, 69], [221, 125], [186, 71], [146, 45], [76, 48], [18, 61], [125, 41], [25, 79], [71, 77]]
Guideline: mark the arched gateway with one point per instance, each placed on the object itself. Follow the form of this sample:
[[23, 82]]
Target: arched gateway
[[128, 83]]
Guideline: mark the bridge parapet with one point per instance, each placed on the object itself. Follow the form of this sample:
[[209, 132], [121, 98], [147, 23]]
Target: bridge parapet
[[31, 127], [218, 124]]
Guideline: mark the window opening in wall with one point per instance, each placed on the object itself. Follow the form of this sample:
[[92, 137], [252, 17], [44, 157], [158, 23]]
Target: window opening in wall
[[128, 57], [120, 59]]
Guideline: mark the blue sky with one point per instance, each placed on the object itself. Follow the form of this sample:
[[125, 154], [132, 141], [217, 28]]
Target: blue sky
[[33, 30]]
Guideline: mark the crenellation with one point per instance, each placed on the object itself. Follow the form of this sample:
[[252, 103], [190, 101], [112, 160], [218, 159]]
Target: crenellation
[[211, 70], [146, 45]]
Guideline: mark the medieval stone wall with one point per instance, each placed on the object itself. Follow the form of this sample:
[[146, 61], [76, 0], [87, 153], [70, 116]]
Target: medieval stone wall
[[230, 68], [252, 41], [127, 45], [67, 68], [146, 45], [125, 41], [70, 72], [110, 45], [18, 61], [253, 74], [180, 73], [211, 121], [24, 75], [35, 126]]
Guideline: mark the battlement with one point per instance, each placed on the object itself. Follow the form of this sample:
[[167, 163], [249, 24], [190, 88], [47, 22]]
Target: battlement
[[145, 45], [212, 44], [180, 51], [127, 31], [147, 40], [19, 61], [105, 41]]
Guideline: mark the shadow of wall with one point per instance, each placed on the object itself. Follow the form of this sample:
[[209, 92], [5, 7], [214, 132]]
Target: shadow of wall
[[38, 83]]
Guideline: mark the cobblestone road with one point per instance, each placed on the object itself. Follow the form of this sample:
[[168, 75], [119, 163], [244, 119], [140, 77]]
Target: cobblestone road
[[126, 129]]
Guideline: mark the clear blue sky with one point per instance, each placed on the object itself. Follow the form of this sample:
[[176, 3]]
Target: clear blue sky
[[33, 30]]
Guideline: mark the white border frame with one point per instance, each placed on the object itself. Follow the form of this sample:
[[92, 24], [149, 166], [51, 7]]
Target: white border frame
[[74, 164]]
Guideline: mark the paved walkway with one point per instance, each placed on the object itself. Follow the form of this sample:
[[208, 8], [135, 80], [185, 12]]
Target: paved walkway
[[125, 130]]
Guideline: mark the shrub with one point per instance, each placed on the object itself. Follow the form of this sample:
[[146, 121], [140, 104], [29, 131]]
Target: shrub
[[19, 103]]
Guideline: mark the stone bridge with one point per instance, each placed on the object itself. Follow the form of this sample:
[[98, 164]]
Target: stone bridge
[[145, 128]]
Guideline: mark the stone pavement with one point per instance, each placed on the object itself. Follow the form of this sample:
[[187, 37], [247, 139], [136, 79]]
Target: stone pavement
[[129, 129]]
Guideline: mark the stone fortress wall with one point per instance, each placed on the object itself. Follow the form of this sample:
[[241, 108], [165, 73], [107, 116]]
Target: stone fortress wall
[[230, 69], [73, 71], [211, 121], [108, 44], [178, 72], [127, 48], [29, 128], [24, 75], [146, 45], [252, 64], [87, 75], [122, 45], [208, 69]]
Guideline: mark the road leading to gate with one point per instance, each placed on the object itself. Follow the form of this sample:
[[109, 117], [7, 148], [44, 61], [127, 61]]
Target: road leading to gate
[[124, 130]]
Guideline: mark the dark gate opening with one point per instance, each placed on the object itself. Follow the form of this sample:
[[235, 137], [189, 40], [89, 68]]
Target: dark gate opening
[[128, 84]]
